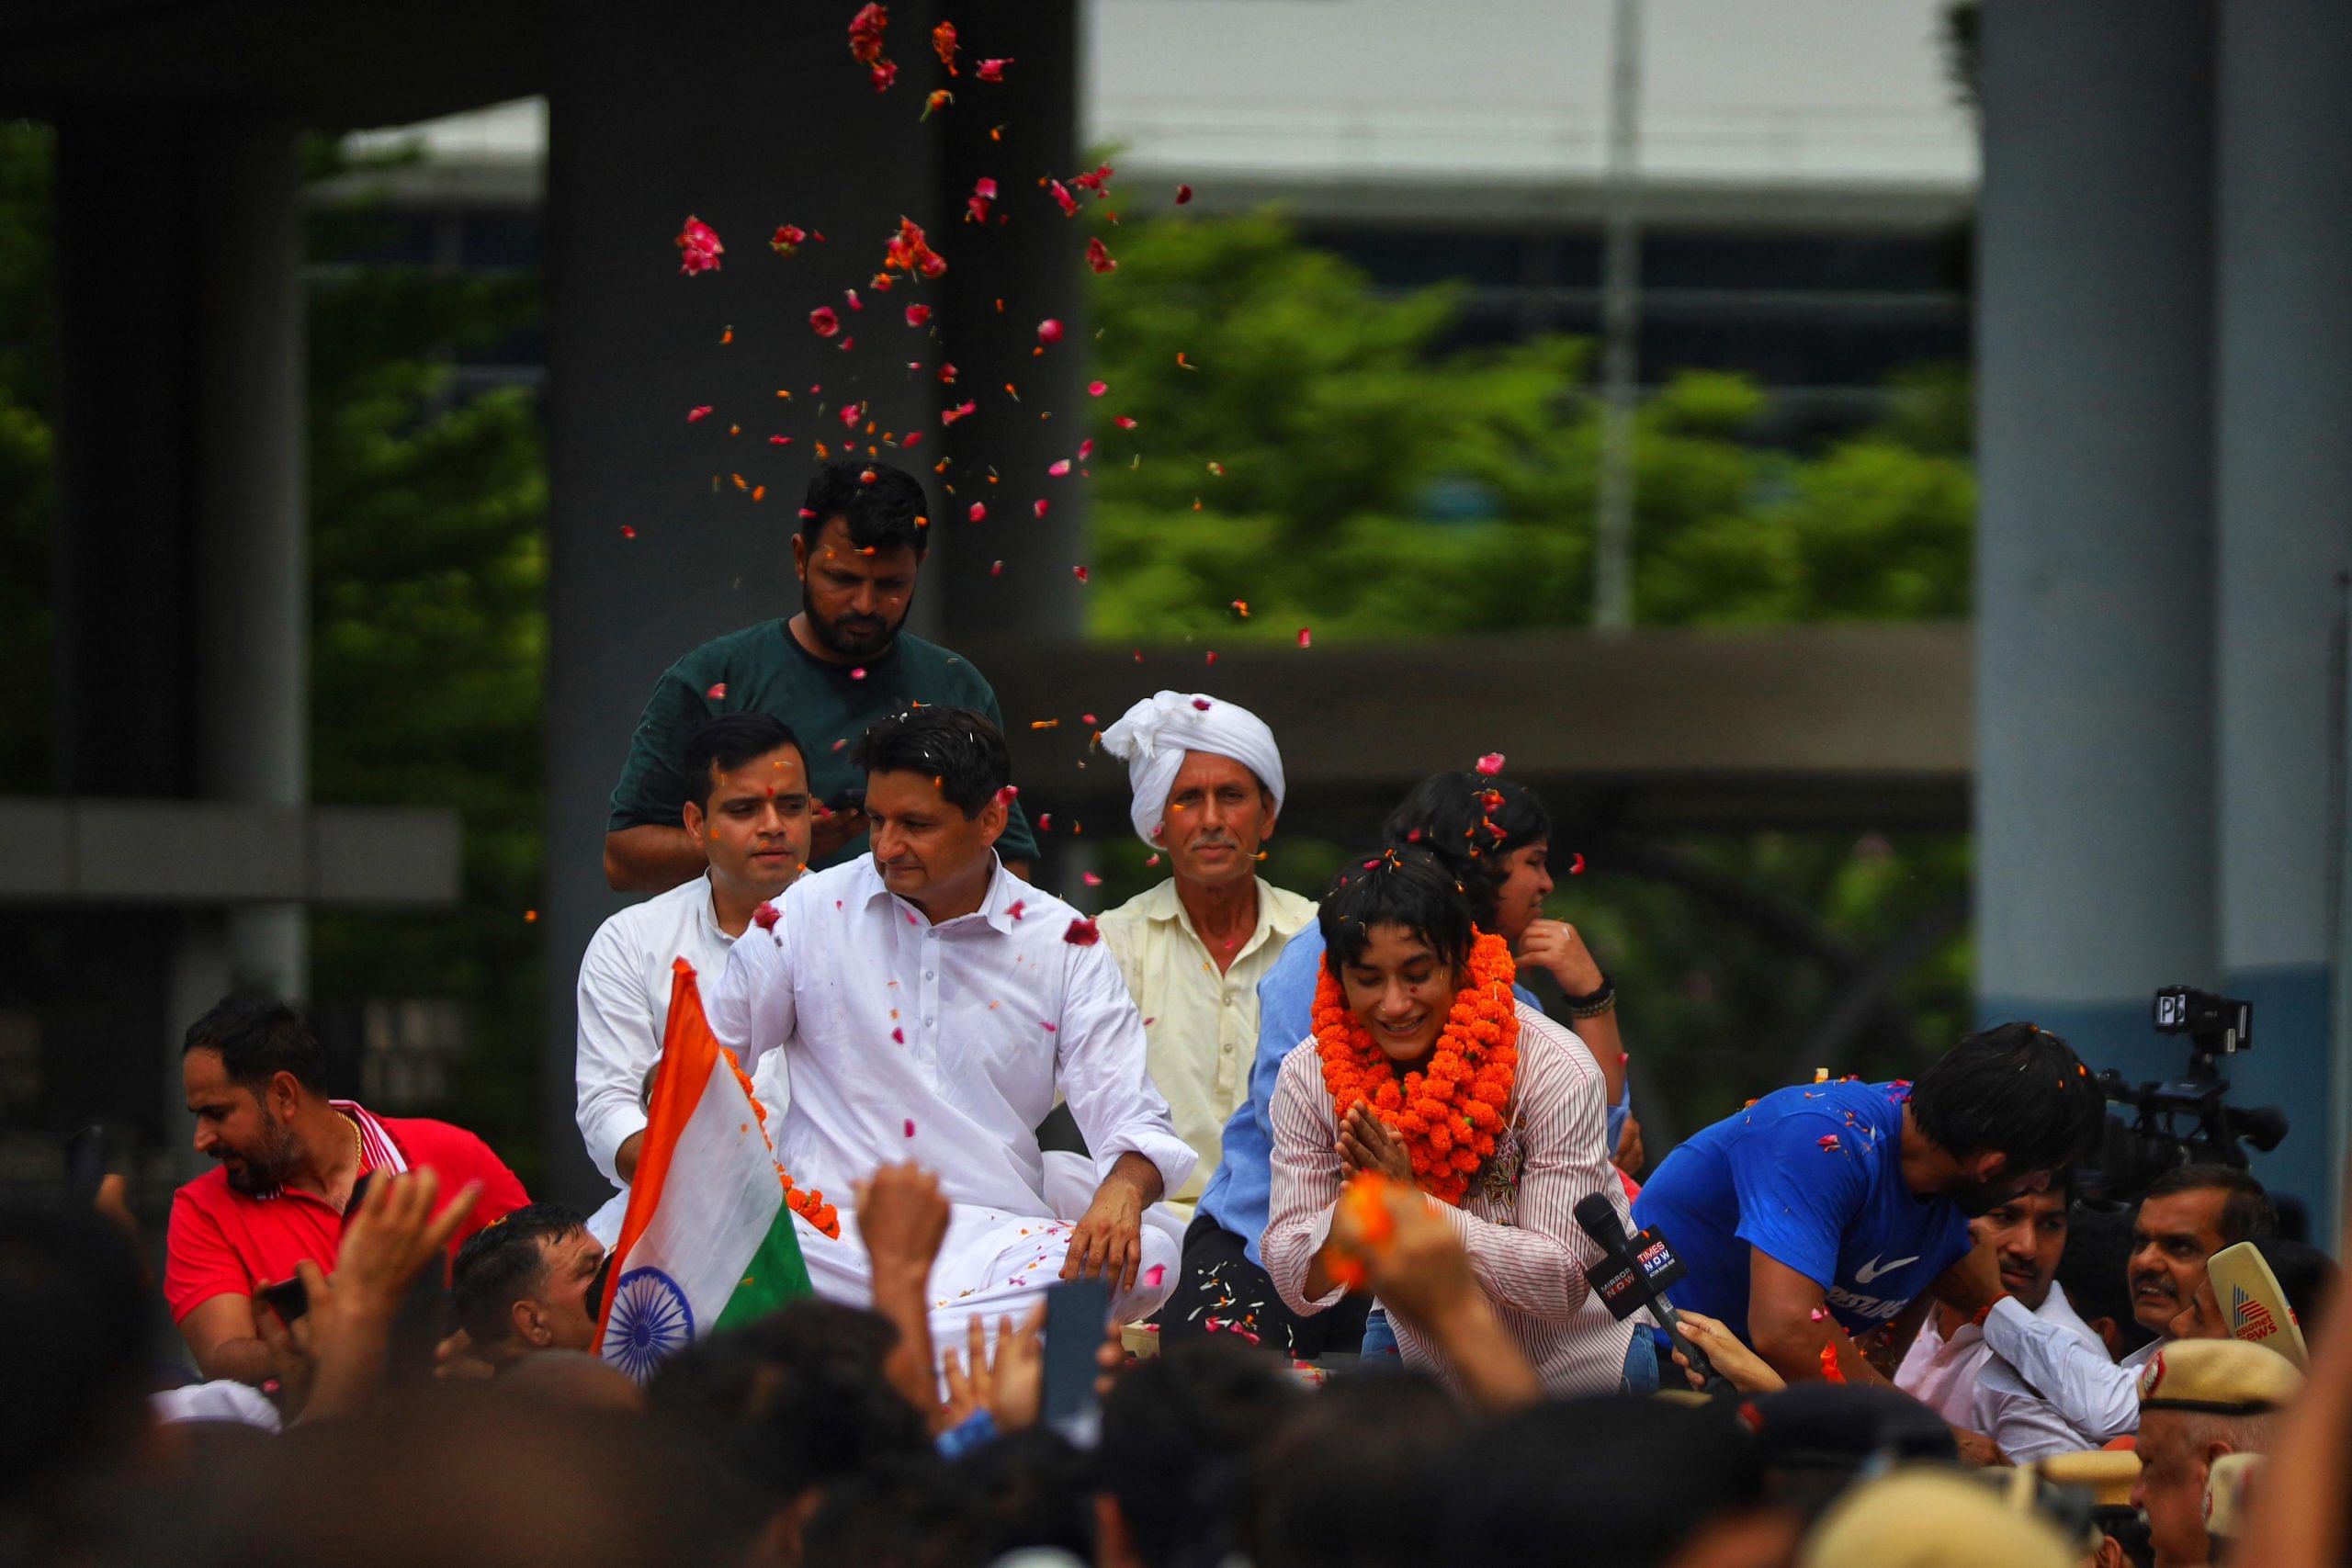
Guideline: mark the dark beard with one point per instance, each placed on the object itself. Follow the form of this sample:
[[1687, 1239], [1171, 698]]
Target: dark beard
[[848, 645], [265, 1167]]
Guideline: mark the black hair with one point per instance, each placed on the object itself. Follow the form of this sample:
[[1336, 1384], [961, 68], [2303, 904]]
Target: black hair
[[71, 1299], [2015, 1088], [502, 1263], [1180, 1433], [1474, 823], [960, 748], [883, 506], [2248, 1213], [1815, 1439], [1032, 1489], [1617, 1482], [904, 1512], [1328, 1483], [1407, 886], [258, 1037], [794, 1399], [731, 741], [2096, 1269]]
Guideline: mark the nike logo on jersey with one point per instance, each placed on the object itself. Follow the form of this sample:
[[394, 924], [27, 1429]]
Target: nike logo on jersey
[[1873, 1269]]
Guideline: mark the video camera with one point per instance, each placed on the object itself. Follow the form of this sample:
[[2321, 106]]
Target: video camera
[[2183, 1122]]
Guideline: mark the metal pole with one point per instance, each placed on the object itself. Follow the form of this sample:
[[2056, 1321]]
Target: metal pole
[[1613, 577]]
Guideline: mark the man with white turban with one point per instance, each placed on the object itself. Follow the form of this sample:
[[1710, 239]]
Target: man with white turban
[[1209, 784]]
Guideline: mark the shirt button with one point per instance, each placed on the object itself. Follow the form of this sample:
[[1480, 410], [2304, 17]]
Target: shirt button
[[929, 1022], [926, 974]]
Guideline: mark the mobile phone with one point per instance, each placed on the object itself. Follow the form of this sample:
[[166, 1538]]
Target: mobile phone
[[1076, 1314], [288, 1299], [86, 1165]]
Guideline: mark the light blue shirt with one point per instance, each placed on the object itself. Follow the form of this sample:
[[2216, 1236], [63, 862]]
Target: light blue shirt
[[1240, 1195]]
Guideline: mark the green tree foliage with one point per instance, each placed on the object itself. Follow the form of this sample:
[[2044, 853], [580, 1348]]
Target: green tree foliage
[[1375, 486], [429, 566]]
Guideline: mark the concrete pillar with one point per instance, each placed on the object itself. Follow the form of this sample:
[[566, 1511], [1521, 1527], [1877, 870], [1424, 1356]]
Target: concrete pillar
[[2094, 617], [2283, 471], [1034, 266], [252, 557], [748, 115]]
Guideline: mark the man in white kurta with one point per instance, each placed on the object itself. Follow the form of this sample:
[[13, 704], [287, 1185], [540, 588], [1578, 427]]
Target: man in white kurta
[[945, 1042], [1207, 783], [751, 818]]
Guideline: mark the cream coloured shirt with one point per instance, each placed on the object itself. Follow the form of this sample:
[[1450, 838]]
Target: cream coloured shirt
[[1203, 1026]]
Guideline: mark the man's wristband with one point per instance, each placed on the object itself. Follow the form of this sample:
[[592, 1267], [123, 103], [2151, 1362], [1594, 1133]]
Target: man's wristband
[[1594, 1003], [1987, 1310]]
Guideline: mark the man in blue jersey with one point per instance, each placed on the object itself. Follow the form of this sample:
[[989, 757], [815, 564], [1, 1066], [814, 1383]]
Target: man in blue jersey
[[1849, 1201]]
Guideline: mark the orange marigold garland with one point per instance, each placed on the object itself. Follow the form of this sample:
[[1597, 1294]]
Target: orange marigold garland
[[1448, 1112], [805, 1201]]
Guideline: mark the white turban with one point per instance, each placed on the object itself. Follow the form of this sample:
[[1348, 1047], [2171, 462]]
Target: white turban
[[1153, 736]]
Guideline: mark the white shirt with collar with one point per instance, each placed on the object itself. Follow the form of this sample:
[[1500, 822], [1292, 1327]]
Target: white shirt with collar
[[1202, 1024], [1943, 1373], [947, 1044], [944, 1044], [625, 1006]]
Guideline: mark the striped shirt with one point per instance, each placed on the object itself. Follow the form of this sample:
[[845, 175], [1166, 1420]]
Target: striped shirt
[[1525, 1249]]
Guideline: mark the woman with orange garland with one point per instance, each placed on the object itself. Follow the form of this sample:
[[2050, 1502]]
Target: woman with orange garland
[[1423, 1066]]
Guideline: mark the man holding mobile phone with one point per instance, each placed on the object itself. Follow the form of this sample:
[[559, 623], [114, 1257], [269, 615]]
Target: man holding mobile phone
[[828, 671], [289, 1162]]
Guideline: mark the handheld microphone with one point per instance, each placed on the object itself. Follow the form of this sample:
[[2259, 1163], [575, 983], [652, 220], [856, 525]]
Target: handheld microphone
[[1639, 1268]]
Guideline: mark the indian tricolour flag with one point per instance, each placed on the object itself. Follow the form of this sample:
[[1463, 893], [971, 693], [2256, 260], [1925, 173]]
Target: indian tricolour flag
[[707, 1242]]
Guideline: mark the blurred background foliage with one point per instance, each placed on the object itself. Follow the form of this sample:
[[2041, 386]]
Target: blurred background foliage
[[1375, 483]]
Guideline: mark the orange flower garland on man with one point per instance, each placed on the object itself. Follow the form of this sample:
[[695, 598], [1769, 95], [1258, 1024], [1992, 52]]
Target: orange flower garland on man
[[1423, 1068]]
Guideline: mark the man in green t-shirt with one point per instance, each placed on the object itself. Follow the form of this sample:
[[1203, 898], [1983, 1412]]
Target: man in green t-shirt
[[828, 671]]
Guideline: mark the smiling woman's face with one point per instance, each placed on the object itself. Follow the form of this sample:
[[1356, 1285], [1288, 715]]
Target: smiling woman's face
[[1400, 990]]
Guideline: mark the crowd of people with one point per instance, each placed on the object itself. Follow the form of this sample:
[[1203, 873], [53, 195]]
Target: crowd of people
[[1339, 1274]]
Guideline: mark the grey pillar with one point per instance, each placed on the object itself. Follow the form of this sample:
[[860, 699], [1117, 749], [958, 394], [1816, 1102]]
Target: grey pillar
[[2094, 621], [748, 115], [251, 556], [1035, 266], [2283, 467]]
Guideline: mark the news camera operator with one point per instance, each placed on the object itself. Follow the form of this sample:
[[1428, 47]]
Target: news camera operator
[[1842, 1205]]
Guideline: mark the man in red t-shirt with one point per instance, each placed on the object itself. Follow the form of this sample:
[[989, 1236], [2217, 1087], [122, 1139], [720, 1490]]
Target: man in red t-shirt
[[290, 1159]]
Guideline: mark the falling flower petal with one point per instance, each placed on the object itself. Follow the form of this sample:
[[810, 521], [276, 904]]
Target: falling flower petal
[[1184, 194], [1491, 763], [718, 691], [1096, 388], [1576, 866], [697, 413], [628, 532], [1082, 932], [865, 30], [1124, 422], [918, 314], [1202, 704], [961, 410], [785, 241], [1050, 331], [698, 248], [1305, 637], [1059, 468], [939, 99], [823, 322], [858, 673], [996, 569], [1090, 879], [1038, 507], [779, 440], [1829, 1142], [1063, 199], [1086, 449], [1098, 257], [978, 512], [1008, 795], [992, 70], [1015, 908]]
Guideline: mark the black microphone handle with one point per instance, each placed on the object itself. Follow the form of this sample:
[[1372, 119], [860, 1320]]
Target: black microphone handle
[[1712, 1381]]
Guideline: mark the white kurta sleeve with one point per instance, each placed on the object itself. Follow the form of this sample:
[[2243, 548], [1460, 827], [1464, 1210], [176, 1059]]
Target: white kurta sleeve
[[2096, 1397], [619, 1036], [2021, 1425], [751, 1006], [1103, 1065]]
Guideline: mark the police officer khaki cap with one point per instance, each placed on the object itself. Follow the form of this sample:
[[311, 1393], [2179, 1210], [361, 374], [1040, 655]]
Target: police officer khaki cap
[[2107, 1473], [1932, 1517], [2217, 1377]]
